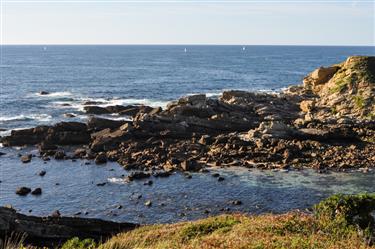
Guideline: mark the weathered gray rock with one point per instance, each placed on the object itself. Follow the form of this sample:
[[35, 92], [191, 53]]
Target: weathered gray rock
[[97, 124], [51, 231]]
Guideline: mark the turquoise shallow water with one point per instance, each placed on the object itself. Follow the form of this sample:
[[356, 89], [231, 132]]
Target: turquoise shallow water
[[174, 198]]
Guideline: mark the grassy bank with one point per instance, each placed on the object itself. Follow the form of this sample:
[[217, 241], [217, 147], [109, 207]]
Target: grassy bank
[[341, 221]]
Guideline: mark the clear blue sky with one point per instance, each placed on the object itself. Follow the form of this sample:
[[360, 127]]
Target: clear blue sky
[[295, 22]]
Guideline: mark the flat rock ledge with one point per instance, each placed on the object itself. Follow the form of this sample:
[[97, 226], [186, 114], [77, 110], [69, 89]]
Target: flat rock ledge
[[51, 231]]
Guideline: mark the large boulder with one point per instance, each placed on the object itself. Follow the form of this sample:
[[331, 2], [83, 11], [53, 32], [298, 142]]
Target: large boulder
[[97, 124], [318, 77]]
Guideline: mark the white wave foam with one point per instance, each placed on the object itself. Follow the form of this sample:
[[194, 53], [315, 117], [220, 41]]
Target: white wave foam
[[55, 94], [148, 102], [22, 117], [116, 180]]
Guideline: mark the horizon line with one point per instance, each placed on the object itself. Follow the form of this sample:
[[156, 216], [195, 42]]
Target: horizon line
[[182, 44]]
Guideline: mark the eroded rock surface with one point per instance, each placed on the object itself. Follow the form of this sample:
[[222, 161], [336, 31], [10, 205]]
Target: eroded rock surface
[[326, 122]]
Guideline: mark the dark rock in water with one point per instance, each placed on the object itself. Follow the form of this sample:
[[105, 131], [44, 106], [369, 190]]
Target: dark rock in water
[[43, 93], [190, 165], [149, 183], [56, 214], [2, 153], [92, 102], [23, 191], [95, 110], [80, 152], [215, 175], [101, 184], [26, 158], [63, 133], [37, 191], [220, 178], [101, 158], [98, 124], [69, 115], [59, 155], [236, 202], [42, 173], [138, 175]]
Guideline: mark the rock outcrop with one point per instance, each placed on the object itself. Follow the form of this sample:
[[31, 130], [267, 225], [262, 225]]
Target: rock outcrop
[[326, 122], [51, 231]]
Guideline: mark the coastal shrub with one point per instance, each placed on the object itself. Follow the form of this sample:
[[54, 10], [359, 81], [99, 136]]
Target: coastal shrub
[[76, 243], [221, 224], [341, 214], [359, 101]]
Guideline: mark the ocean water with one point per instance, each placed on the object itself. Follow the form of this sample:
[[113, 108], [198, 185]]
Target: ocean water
[[152, 75]]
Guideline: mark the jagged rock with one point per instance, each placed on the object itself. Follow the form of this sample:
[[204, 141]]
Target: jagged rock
[[306, 105], [138, 175], [101, 158], [59, 155], [107, 140], [134, 110], [319, 77], [95, 110], [190, 165], [97, 124], [80, 152]]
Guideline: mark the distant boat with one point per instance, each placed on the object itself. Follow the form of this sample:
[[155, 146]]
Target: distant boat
[[243, 48], [185, 50]]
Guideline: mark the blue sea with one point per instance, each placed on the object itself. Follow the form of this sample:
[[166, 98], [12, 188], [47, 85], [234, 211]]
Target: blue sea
[[151, 75]]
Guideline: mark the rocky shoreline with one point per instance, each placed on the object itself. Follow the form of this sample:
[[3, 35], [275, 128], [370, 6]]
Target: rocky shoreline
[[54, 230], [326, 123]]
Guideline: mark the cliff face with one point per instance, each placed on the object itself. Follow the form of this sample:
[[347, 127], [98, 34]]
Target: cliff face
[[344, 90]]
